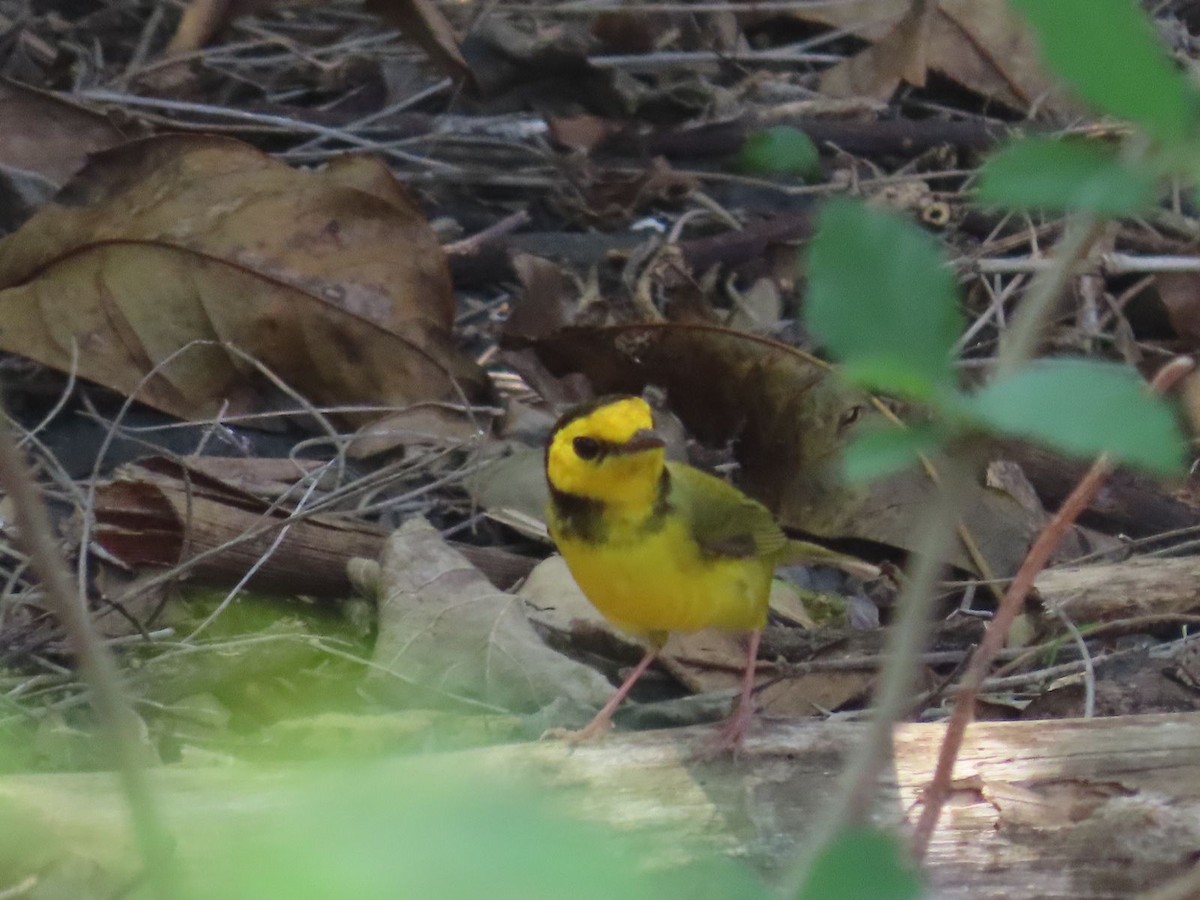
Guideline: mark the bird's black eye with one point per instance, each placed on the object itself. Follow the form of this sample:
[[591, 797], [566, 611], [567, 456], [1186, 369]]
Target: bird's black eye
[[586, 447]]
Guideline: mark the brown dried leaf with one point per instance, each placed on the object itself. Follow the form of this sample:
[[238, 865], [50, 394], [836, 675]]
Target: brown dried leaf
[[1180, 293], [987, 46], [622, 31], [981, 44], [545, 289], [332, 280], [901, 55], [425, 25], [45, 134]]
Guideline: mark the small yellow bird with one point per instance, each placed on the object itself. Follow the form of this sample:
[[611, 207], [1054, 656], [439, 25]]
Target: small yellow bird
[[659, 546]]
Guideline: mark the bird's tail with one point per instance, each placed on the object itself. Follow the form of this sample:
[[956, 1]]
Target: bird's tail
[[803, 553]]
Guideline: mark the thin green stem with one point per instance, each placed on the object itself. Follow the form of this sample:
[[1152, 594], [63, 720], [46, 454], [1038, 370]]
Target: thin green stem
[[115, 716], [905, 641], [1021, 341]]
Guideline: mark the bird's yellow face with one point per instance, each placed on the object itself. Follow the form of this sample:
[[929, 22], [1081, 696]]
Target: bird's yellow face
[[607, 451]]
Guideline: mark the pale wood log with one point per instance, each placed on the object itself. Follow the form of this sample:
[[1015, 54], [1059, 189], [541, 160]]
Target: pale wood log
[[1136, 587], [1098, 808]]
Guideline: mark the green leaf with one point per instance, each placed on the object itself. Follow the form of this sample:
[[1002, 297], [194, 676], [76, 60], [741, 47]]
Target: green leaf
[[781, 150], [1084, 408], [1107, 51], [1063, 175], [882, 450], [438, 830], [882, 299], [862, 862]]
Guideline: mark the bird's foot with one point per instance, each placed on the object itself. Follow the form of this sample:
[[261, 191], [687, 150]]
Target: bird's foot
[[731, 738], [598, 727]]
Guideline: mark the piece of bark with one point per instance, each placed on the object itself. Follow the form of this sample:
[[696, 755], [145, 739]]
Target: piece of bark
[[1147, 586], [1092, 809], [160, 513]]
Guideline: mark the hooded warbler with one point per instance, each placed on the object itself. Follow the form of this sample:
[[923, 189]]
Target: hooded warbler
[[660, 546]]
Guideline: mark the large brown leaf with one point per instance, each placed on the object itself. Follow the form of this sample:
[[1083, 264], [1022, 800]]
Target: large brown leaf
[[333, 280]]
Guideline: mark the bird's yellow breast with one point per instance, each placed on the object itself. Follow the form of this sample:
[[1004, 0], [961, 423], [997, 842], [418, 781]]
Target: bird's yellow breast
[[658, 580]]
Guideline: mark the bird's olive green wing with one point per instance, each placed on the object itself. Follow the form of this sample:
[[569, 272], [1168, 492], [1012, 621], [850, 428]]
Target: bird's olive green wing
[[723, 520]]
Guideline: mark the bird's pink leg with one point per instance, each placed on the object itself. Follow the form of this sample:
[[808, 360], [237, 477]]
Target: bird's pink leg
[[603, 719], [731, 736]]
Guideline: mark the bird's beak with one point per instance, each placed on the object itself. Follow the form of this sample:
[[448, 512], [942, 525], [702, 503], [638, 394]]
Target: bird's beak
[[643, 440]]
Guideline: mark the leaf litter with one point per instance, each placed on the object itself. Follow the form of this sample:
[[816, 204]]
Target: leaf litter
[[204, 273]]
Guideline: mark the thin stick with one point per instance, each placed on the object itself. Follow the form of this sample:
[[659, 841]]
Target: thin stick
[[471, 245], [1105, 263], [115, 716], [935, 794], [1089, 668], [296, 125]]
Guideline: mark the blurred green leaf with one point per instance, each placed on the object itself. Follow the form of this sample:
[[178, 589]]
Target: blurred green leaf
[[1107, 51], [445, 833], [1083, 407], [781, 150], [882, 450], [882, 299], [1055, 175], [862, 863]]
